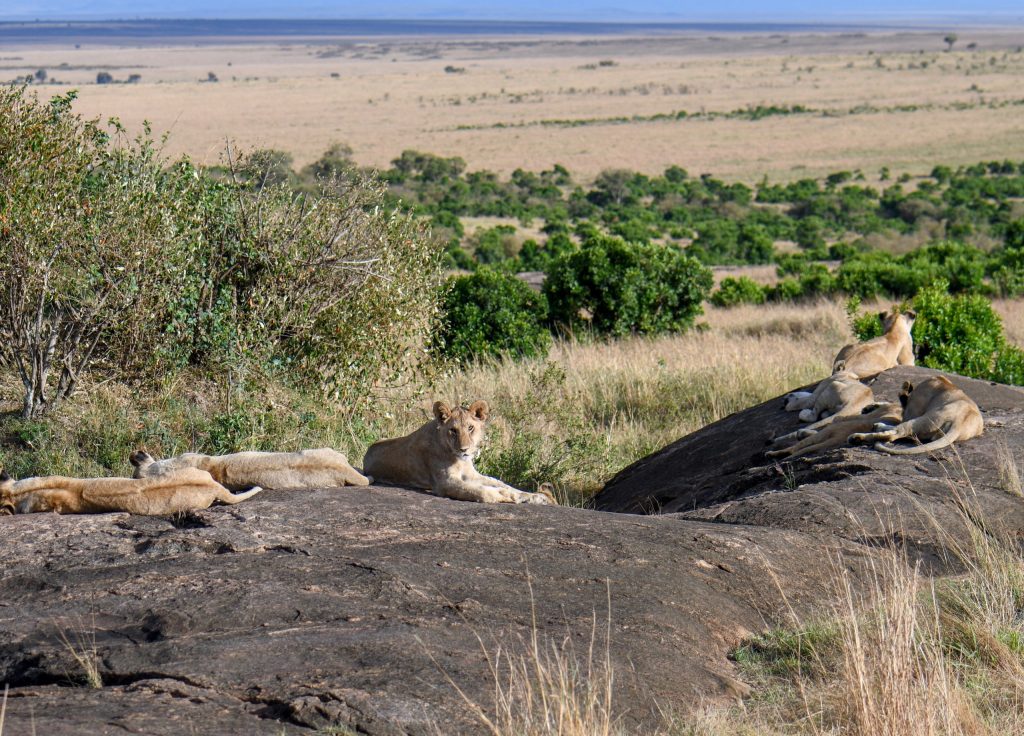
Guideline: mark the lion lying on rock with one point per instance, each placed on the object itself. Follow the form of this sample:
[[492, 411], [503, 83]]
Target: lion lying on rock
[[305, 469], [835, 431], [894, 347], [439, 457], [935, 412], [841, 394], [187, 490]]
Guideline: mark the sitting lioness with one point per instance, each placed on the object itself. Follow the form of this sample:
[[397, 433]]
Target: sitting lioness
[[832, 433], [187, 490], [935, 412], [841, 394], [439, 456], [894, 347], [305, 469]]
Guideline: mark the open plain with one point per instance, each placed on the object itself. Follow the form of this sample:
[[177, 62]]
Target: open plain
[[737, 105]]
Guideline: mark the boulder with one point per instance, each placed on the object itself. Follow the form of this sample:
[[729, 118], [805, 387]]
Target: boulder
[[720, 474], [367, 608]]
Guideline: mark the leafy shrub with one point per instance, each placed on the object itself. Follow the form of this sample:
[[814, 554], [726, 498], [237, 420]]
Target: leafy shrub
[[114, 263], [962, 334], [618, 288], [491, 313], [742, 290]]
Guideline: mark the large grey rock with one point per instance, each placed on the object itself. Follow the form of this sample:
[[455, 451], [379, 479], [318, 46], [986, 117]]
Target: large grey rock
[[363, 608], [720, 474]]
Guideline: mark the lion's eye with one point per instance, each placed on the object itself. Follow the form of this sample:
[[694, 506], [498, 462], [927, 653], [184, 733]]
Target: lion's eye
[[472, 429], [454, 431]]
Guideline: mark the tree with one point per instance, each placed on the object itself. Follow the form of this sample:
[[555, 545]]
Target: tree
[[104, 78], [950, 39], [40, 75]]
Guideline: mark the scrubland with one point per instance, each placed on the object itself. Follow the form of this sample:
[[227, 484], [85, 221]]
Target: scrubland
[[887, 98]]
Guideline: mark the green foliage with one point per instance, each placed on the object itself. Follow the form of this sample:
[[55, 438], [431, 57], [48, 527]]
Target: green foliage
[[741, 290], [117, 264], [491, 313], [617, 288], [963, 334]]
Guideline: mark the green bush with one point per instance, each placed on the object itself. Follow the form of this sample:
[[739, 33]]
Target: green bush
[[491, 313], [124, 267], [742, 290], [617, 288], [962, 334]]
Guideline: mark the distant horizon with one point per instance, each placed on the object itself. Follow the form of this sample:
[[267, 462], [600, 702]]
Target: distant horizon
[[741, 12]]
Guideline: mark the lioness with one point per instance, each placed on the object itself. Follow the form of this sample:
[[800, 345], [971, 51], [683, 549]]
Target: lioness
[[305, 469], [439, 456], [187, 490], [894, 347], [935, 412], [841, 394], [836, 432]]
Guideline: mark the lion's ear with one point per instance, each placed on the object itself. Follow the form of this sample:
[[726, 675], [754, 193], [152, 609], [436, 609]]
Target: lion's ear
[[910, 314], [882, 315], [839, 366], [442, 411], [138, 457], [4, 477], [480, 410], [907, 387]]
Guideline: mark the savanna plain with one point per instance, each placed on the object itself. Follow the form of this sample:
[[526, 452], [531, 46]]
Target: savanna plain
[[917, 655]]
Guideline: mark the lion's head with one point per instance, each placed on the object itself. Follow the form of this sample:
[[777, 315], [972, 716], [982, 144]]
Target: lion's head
[[461, 430], [890, 318]]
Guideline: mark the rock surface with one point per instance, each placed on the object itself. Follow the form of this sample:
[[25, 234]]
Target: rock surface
[[370, 608], [363, 608], [720, 474]]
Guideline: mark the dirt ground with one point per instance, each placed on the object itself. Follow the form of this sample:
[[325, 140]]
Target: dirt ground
[[895, 99]]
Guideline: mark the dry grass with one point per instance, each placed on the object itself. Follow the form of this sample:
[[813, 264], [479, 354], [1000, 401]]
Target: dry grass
[[81, 645], [395, 94], [898, 654]]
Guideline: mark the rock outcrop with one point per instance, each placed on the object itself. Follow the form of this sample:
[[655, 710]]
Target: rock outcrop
[[720, 474]]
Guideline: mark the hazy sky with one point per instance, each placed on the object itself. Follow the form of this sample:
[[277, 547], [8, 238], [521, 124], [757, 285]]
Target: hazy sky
[[579, 10]]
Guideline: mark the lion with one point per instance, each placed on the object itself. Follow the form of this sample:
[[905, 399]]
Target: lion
[[935, 412], [439, 457], [836, 431], [189, 489], [894, 347], [841, 394], [305, 469]]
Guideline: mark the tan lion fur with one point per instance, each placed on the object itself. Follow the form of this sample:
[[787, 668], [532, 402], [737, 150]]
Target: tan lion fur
[[187, 490], [841, 394], [894, 347], [836, 432], [439, 456], [305, 469], [935, 412]]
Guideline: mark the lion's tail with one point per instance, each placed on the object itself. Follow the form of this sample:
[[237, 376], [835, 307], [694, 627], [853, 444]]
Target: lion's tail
[[233, 498], [944, 441]]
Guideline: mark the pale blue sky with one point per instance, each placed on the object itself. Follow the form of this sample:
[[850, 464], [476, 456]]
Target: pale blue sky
[[741, 11]]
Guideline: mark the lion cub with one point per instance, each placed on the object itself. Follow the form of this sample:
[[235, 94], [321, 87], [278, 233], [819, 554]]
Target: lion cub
[[186, 490], [836, 432], [439, 456], [935, 412], [894, 347], [841, 394], [306, 469]]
